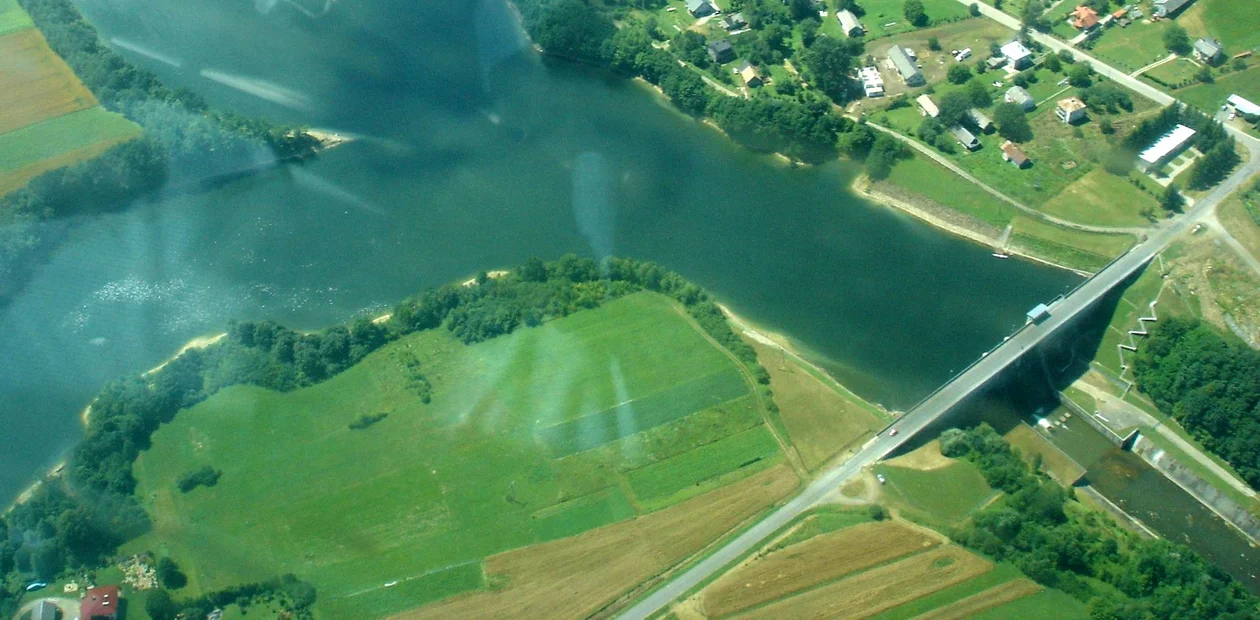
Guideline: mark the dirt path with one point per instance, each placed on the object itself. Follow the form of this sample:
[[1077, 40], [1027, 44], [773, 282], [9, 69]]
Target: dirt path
[[789, 451]]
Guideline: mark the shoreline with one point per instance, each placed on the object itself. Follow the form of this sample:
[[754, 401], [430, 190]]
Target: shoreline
[[329, 139]]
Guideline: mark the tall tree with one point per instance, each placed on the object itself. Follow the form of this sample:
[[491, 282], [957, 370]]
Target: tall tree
[[829, 61], [1176, 39], [1012, 122], [915, 13]]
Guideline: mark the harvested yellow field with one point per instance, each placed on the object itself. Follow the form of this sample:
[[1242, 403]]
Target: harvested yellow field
[[881, 589], [927, 457], [35, 83], [814, 561], [578, 576], [976, 603]]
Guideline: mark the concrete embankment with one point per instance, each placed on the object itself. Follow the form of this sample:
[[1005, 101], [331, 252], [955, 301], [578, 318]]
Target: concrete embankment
[[1124, 443], [1200, 489]]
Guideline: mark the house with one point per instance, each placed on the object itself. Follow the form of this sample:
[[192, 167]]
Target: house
[[1164, 8], [1244, 108], [965, 137], [1084, 18], [1070, 110], [982, 122], [99, 602], [910, 74], [44, 611], [700, 8], [929, 107], [750, 75], [1012, 153], [995, 63], [734, 21], [872, 81], [1209, 51], [1165, 148], [1017, 54], [1119, 14], [1018, 96], [721, 51], [849, 23]]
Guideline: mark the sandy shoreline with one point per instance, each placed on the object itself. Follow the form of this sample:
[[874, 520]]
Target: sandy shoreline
[[329, 139]]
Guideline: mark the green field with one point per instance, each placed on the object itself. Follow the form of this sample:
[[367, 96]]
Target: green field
[[34, 143], [1176, 72], [1102, 199], [887, 17], [1231, 22], [931, 180], [946, 496], [1132, 48], [423, 495], [1044, 605], [1212, 96], [13, 18], [1077, 249]]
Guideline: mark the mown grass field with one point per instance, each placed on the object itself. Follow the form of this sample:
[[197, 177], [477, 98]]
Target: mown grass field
[[50, 139], [1211, 96], [1102, 199], [1044, 605], [887, 17], [13, 18], [929, 179], [1132, 48], [1229, 21], [933, 489], [425, 495], [1077, 249]]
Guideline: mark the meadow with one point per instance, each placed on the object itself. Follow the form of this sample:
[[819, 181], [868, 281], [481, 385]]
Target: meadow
[[13, 18], [54, 137], [1231, 22], [932, 489], [504, 456]]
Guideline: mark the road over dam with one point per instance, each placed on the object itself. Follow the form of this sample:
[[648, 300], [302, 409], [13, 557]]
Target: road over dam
[[945, 398]]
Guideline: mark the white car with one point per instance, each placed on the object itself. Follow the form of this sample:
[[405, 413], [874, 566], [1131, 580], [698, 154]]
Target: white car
[[881, 478], [892, 433]]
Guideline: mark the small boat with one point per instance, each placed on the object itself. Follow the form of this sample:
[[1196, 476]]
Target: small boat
[[1001, 255]]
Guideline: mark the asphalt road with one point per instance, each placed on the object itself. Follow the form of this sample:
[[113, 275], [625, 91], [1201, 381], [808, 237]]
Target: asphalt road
[[977, 375]]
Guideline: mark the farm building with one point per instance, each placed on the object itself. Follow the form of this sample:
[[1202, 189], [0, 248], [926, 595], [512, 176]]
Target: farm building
[[1012, 153], [982, 122], [721, 51], [872, 81], [1070, 110], [750, 75], [1017, 54], [1084, 18], [849, 23], [1020, 97], [1245, 108], [100, 602], [965, 138], [1165, 148], [995, 62], [700, 8], [910, 74], [929, 107], [1164, 8], [734, 21], [1209, 51]]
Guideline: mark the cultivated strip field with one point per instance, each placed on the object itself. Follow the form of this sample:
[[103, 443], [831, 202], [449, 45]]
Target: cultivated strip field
[[976, 603], [38, 85], [421, 497]]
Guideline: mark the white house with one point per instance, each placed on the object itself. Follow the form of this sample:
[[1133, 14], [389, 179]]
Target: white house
[[1163, 8], [1018, 55], [872, 81], [1070, 110], [929, 106]]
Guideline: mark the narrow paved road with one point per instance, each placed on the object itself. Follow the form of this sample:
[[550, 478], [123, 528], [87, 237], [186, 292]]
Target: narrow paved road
[[945, 161], [978, 374]]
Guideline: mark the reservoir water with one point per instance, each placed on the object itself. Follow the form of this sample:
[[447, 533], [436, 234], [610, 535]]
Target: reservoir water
[[476, 154]]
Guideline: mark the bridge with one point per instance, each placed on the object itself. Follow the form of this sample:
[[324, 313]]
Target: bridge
[[948, 396]]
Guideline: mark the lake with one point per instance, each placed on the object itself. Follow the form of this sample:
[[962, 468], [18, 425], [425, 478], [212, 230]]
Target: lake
[[474, 154]]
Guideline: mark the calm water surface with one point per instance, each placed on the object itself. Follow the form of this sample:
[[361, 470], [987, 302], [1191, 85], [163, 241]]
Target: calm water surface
[[475, 155]]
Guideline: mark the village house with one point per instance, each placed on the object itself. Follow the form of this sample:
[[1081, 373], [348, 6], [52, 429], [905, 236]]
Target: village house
[[750, 75], [1209, 51], [734, 21], [982, 122], [1012, 153], [1084, 18], [100, 602], [910, 73], [721, 51], [1020, 97], [849, 23], [928, 106], [1070, 110], [1018, 55], [1164, 8], [965, 138], [700, 8], [872, 81]]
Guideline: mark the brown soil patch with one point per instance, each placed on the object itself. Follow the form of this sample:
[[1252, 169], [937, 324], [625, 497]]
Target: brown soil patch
[[820, 422], [38, 85], [814, 561], [976, 603], [925, 458], [883, 588], [578, 576]]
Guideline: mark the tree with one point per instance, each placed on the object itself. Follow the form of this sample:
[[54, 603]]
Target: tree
[[829, 61], [169, 575], [954, 106], [1052, 63], [809, 31], [1214, 166], [1172, 201], [159, 606], [802, 9], [885, 153], [934, 44], [1204, 74], [1012, 122], [978, 92], [914, 12], [1176, 39], [958, 74], [877, 511], [1080, 75], [974, 9]]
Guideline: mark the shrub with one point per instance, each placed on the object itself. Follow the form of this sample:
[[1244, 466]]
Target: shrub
[[366, 420], [205, 477]]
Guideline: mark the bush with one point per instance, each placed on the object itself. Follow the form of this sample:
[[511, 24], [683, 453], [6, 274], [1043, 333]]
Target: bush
[[934, 44], [205, 477], [169, 575], [974, 9], [366, 420], [877, 512], [959, 74]]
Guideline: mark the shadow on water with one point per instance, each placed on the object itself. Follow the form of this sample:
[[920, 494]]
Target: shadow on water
[[1029, 390]]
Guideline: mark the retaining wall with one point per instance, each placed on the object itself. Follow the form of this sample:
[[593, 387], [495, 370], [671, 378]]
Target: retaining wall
[[1209, 496]]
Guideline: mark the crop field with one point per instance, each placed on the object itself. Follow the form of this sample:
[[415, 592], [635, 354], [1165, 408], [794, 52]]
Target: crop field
[[815, 561], [822, 419], [38, 84], [50, 139], [1044, 605], [13, 18], [881, 589], [423, 496], [578, 576], [976, 603]]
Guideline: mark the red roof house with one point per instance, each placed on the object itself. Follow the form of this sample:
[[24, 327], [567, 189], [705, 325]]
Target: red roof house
[[1084, 18], [100, 602]]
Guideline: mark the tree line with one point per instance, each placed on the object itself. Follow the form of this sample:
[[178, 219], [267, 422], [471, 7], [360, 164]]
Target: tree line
[[1039, 528], [1211, 139], [1208, 383], [78, 520], [183, 140]]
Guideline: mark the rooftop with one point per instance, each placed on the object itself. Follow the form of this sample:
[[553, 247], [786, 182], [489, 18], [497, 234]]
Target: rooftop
[[1015, 50], [1014, 153], [1244, 106], [1018, 94], [1166, 144], [1071, 104], [102, 601], [1084, 17]]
